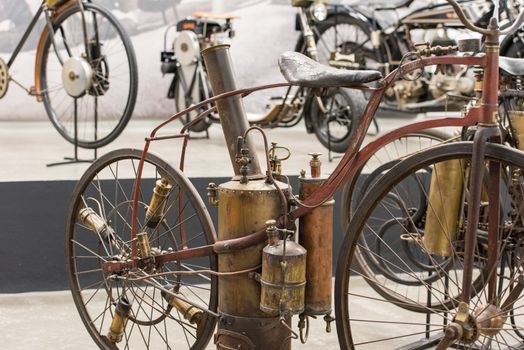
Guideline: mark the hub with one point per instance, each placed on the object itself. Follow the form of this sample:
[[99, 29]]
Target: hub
[[77, 76], [490, 319], [4, 78]]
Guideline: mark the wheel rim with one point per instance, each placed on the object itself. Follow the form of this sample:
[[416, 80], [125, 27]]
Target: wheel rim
[[105, 107], [153, 322]]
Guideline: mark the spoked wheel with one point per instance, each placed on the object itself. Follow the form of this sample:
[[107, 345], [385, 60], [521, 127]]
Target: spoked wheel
[[384, 158], [194, 92], [335, 127], [375, 310], [349, 37], [98, 83], [158, 304]]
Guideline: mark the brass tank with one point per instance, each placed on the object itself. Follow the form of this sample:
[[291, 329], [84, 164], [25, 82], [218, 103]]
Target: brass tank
[[283, 278], [316, 236]]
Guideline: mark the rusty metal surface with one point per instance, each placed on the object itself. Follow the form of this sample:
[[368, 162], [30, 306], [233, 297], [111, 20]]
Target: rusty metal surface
[[283, 278], [316, 236], [230, 110], [236, 332], [242, 210]]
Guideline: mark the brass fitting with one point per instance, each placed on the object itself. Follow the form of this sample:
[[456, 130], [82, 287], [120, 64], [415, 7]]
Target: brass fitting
[[212, 191], [156, 207], [315, 164], [118, 324], [272, 232], [96, 223], [190, 312]]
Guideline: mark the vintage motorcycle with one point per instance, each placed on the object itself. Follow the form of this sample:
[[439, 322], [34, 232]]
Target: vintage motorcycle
[[378, 36], [332, 114]]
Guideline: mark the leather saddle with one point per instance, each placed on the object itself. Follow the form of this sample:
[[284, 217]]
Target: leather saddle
[[512, 66], [299, 69]]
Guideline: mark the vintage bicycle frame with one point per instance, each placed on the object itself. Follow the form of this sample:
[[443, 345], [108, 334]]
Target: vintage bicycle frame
[[484, 115], [48, 27]]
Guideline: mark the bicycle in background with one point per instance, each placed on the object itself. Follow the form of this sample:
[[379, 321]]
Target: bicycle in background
[[85, 71]]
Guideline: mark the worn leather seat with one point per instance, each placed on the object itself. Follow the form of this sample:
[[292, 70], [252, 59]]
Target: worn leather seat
[[299, 69], [512, 66]]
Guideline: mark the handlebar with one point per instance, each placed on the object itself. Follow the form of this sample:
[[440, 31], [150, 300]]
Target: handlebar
[[468, 24]]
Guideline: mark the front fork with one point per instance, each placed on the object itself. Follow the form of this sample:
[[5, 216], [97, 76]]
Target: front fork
[[459, 329]]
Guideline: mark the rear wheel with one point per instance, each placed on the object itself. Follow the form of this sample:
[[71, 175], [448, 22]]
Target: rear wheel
[[407, 297], [165, 303]]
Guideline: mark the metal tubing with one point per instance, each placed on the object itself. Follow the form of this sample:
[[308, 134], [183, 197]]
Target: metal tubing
[[475, 189], [230, 110]]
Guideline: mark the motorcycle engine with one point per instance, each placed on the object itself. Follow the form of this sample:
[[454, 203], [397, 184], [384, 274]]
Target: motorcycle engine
[[441, 84], [186, 47]]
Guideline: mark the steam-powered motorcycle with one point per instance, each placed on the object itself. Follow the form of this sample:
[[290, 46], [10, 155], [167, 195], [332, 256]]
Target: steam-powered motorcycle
[[377, 37], [332, 114]]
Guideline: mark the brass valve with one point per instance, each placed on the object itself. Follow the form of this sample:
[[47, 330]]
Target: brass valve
[[272, 232], [212, 190], [315, 164], [274, 161], [242, 158]]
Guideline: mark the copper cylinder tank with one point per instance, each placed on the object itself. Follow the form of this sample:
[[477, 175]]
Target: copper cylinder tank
[[517, 127], [444, 204], [244, 209], [316, 236]]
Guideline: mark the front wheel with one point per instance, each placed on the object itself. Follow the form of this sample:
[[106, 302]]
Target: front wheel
[[96, 84], [160, 304], [411, 291], [335, 126]]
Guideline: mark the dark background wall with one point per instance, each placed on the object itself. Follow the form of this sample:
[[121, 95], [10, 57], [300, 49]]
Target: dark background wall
[[32, 221]]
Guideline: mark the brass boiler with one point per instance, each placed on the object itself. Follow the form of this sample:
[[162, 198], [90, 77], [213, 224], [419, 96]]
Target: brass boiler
[[316, 236], [243, 209], [244, 205]]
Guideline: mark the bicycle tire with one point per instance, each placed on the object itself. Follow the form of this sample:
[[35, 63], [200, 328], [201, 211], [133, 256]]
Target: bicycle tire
[[398, 316], [106, 190], [181, 103], [335, 128], [117, 102]]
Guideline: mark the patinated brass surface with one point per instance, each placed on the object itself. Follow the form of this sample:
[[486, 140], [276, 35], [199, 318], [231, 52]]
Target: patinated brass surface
[[283, 278], [156, 207], [442, 215], [242, 210], [316, 236]]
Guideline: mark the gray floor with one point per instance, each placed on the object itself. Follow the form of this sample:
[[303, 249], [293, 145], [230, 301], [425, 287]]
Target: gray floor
[[49, 320]]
